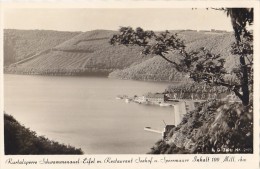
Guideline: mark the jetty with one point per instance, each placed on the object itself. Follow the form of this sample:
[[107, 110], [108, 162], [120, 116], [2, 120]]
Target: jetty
[[152, 130], [164, 133]]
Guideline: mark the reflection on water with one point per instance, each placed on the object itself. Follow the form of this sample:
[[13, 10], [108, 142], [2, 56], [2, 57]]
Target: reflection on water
[[83, 111]]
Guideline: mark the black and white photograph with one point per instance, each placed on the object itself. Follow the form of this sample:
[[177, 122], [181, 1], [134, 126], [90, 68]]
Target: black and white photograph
[[129, 81]]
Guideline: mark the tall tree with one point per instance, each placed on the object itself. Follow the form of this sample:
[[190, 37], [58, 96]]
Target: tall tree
[[240, 18], [201, 64]]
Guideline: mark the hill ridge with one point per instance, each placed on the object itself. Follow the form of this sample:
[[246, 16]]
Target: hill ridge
[[89, 52]]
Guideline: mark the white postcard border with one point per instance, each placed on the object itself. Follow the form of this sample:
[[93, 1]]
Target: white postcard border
[[252, 159]]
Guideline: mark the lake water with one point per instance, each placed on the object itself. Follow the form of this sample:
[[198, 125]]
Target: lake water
[[83, 111]]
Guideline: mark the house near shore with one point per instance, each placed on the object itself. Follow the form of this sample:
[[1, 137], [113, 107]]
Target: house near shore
[[218, 31], [167, 130], [153, 97]]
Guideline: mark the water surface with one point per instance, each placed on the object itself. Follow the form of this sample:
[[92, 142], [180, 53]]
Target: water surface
[[83, 111]]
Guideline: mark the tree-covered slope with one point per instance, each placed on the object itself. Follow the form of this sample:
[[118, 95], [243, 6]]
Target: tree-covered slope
[[20, 44], [88, 52], [154, 69], [157, 68], [215, 127], [19, 140]]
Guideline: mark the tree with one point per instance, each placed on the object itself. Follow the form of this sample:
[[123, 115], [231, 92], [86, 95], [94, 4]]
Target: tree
[[201, 64], [243, 47]]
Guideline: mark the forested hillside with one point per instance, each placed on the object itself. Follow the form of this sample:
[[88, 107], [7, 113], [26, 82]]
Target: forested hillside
[[214, 127], [20, 140], [153, 69], [89, 53], [20, 44], [158, 69], [86, 53]]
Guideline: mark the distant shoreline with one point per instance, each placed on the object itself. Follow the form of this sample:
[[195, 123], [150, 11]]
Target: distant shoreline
[[88, 74], [97, 74]]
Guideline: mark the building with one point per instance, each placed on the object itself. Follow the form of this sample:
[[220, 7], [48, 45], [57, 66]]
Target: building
[[166, 131], [153, 97], [218, 31]]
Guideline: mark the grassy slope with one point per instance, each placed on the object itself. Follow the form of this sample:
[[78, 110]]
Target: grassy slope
[[158, 69], [86, 52], [21, 140], [20, 44]]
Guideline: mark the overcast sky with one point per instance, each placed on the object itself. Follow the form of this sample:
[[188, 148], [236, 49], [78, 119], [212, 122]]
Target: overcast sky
[[111, 19]]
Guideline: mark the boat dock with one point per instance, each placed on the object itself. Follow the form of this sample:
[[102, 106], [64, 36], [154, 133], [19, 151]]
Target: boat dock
[[152, 130]]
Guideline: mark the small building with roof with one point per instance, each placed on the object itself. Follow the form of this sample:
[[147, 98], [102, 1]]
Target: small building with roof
[[153, 97]]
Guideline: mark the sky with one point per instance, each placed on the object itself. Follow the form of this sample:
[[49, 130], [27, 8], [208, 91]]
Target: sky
[[85, 19]]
